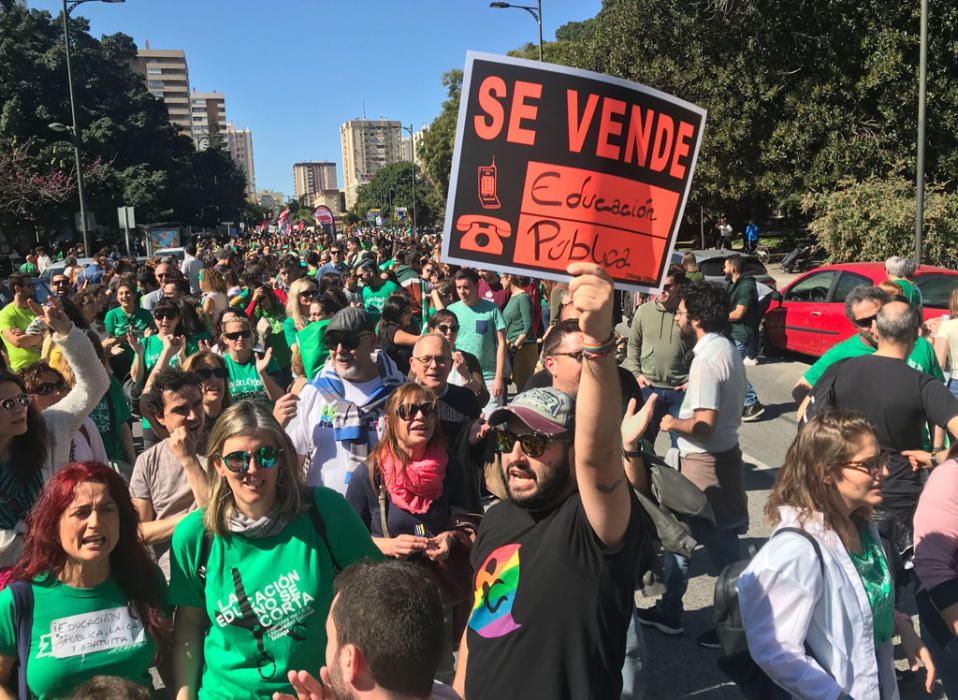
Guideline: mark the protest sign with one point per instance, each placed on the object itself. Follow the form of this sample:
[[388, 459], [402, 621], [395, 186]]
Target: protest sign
[[555, 165]]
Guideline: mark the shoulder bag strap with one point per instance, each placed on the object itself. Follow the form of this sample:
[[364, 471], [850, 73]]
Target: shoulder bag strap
[[23, 624], [800, 531], [316, 518], [382, 507]]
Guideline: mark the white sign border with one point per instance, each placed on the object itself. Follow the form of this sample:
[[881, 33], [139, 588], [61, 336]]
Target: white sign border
[[472, 56]]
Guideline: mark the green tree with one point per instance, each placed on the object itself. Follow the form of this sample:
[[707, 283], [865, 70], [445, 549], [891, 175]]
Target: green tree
[[124, 130], [394, 183], [437, 144]]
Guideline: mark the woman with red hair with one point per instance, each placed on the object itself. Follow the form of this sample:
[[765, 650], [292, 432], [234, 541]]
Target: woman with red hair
[[99, 601]]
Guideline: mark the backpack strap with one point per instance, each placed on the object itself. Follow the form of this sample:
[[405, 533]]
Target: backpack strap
[[316, 518], [23, 625], [800, 531]]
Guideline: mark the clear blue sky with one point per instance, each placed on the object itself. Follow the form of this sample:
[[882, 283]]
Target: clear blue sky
[[294, 70]]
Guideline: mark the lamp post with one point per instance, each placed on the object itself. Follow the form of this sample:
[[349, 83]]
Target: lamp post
[[920, 179], [536, 13], [412, 140], [74, 131]]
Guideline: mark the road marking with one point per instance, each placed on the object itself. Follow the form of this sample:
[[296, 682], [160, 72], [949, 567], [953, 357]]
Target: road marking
[[759, 465]]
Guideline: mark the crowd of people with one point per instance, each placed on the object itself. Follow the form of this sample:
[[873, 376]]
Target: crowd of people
[[313, 466]]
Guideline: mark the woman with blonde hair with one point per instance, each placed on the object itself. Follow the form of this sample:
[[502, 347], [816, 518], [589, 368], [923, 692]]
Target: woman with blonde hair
[[818, 603], [252, 573], [300, 296]]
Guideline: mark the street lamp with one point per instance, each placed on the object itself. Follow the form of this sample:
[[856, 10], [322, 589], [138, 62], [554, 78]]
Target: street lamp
[[536, 13], [920, 179], [412, 141], [68, 7]]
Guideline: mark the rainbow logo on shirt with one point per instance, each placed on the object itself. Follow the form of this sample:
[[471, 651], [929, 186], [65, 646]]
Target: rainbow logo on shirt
[[496, 584]]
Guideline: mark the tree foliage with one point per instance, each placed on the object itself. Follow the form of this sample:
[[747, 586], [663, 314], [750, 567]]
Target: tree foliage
[[438, 143], [124, 131], [391, 188], [874, 218]]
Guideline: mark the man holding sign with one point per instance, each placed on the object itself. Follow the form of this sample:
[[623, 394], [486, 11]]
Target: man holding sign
[[558, 558]]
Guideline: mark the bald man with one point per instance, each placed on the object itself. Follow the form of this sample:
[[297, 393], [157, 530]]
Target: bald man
[[431, 363]]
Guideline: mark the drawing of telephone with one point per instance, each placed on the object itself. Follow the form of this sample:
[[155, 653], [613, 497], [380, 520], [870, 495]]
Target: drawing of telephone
[[488, 184], [482, 234]]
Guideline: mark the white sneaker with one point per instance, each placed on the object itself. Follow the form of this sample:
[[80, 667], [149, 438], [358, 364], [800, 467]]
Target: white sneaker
[[750, 361]]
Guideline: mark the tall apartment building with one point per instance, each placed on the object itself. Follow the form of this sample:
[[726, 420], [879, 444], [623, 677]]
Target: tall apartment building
[[168, 78], [311, 177], [274, 201], [208, 117], [239, 143], [368, 146]]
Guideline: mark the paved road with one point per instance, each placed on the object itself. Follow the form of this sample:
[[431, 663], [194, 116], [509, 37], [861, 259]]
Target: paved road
[[678, 667]]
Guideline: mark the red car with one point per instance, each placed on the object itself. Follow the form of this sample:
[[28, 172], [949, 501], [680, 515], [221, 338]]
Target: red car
[[808, 315]]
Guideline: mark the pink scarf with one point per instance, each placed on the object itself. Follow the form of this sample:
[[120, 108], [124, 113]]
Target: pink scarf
[[415, 488]]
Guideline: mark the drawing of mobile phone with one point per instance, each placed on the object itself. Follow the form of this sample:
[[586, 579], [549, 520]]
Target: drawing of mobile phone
[[488, 183]]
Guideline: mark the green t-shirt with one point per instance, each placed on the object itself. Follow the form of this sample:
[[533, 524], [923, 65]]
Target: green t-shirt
[[743, 293], [518, 318], [287, 579], [245, 382], [79, 633], [373, 300], [910, 292], [153, 346], [28, 268], [100, 415], [289, 331], [922, 357], [117, 322], [12, 316], [312, 347], [477, 332], [876, 579]]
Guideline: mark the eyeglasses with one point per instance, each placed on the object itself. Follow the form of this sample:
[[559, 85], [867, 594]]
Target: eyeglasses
[[207, 373], [334, 340], [47, 388], [577, 355], [237, 335], [161, 314], [865, 322], [239, 461], [308, 294], [408, 411], [21, 401], [444, 328], [533, 444], [335, 252], [438, 360], [872, 466]]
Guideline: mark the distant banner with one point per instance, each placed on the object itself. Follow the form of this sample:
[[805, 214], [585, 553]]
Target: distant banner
[[555, 165], [324, 217]]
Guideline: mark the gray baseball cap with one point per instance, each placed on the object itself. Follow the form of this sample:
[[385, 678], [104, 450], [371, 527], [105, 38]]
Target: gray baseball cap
[[351, 321], [547, 411]]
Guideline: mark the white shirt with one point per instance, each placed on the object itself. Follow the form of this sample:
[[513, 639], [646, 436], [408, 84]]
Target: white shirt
[[716, 382], [190, 267], [311, 431], [787, 604]]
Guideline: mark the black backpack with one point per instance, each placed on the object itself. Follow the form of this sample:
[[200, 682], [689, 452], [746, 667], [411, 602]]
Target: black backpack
[[736, 661]]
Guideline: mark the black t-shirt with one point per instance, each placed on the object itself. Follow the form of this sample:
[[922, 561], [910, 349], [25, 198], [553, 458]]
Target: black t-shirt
[[627, 385], [898, 400], [553, 605], [400, 354]]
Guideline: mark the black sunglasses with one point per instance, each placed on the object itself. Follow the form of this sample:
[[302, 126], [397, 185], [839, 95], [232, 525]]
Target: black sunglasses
[[408, 411], [237, 335], [577, 355], [533, 444], [47, 388], [334, 340], [308, 294], [206, 373], [9, 404], [865, 322], [872, 466], [444, 328], [161, 314]]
